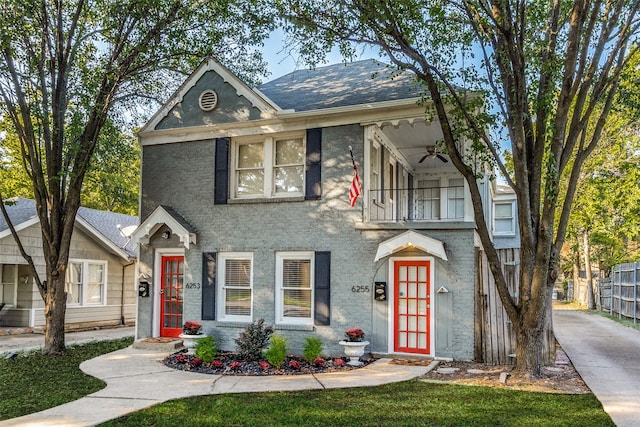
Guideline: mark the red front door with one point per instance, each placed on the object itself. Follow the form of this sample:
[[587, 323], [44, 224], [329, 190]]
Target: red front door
[[412, 306], [171, 293]]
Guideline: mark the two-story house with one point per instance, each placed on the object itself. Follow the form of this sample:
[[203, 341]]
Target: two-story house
[[246, 213]]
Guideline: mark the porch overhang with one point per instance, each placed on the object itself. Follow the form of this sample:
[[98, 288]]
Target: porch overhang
[[411, 240], [165, 215]]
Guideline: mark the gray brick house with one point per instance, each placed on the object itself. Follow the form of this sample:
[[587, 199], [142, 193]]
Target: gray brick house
[[246, 213]]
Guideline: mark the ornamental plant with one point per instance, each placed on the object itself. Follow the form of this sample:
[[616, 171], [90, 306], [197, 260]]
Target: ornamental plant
[[192, 327], [354, 335], [319, 361], [312, 348], [338, 362], [235, 365], [253, 340], [206, 349], [294, 364], [277, 352]]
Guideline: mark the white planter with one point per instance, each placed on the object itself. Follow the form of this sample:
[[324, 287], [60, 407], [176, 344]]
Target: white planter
[[354, 350], [190, 341]]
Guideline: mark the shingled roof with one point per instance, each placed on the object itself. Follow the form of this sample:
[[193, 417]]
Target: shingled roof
[[340, 85], [108, 224]]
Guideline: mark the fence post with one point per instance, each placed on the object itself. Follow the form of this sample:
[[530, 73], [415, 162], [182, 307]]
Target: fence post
[[620, 292], [635, 290]]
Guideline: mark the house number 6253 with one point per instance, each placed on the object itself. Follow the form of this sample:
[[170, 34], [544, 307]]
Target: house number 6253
[[358, 289]]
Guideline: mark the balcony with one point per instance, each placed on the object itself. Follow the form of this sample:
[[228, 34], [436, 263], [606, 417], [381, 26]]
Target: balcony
[[418, 204]]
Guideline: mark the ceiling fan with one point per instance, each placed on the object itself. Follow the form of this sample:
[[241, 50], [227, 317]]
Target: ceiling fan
[[431, 153]]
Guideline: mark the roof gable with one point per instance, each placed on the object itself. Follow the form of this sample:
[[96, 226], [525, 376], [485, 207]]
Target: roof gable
[[165, 215], [235, 101], [105, 227]]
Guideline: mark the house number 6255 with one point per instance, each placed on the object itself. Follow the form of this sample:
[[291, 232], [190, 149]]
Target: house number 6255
[[358, 289]]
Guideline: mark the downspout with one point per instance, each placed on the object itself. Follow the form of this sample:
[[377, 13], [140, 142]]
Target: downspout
[[122, 291]]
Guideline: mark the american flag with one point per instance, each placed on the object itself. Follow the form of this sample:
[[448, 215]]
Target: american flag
[[355, 189]]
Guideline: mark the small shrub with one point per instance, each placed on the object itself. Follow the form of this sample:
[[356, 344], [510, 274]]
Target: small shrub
[[217, 364], [264, 365], [319, 361], [254, 339], [293, 364], [277, 352], [235, 365], [338, 362], [206, 349], [312, 349], [196, 362]]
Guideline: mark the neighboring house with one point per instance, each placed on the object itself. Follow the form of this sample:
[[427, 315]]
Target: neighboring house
[[101, 286], [246, 214]]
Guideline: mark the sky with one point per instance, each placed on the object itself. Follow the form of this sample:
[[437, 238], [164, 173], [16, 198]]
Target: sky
[[281, 63]]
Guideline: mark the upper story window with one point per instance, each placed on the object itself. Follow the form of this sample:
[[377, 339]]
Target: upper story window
[[86, 282], [8, 284], [235, 286], [503, 218], [455, 198], [269, 167]]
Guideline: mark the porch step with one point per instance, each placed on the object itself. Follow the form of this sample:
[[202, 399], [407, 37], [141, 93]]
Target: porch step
[[158, 344]]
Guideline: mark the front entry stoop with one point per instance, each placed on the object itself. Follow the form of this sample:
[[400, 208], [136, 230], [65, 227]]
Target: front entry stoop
[[158, 344]]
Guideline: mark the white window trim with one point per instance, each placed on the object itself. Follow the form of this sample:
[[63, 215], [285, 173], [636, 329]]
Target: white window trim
[[513, 218], [221, 289], [85, 282], [14, 303], [268, 165], [280, 257]]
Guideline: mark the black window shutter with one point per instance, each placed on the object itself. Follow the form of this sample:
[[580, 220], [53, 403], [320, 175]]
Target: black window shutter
[[322, 276], [313, 186], [208, 286], [221, 175]]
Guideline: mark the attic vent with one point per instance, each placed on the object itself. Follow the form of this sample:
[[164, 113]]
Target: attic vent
[[208, 100]]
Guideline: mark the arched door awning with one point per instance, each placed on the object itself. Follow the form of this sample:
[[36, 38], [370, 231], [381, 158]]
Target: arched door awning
[[411, 240]]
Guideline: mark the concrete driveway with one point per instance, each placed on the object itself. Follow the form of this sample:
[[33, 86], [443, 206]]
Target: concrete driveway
[[607, 356]]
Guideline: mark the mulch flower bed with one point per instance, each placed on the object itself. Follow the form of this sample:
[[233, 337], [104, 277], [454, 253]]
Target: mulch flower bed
[[229, 363]]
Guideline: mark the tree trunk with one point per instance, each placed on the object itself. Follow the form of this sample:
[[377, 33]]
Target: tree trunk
[[535, 342], [591, 299], [54, 314]]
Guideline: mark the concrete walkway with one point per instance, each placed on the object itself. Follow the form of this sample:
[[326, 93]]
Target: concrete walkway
[[137, 379], [607, 356], [10, 341]]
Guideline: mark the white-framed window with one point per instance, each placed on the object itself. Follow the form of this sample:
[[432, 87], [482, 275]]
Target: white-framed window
[[375, 173], [86, 282], [235, 286], [8, 284], [269, 167], [455, 198], [427, 196], [503, 218], [294, 287]]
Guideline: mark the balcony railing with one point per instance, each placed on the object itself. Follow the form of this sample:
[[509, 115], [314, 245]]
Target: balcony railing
[[417, 204]]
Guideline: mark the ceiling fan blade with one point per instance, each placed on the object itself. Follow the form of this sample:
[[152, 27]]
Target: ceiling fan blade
[[441, 157], [423, 158]]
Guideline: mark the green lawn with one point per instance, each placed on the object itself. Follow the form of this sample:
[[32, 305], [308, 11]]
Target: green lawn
[[33, 382], [412, 403]]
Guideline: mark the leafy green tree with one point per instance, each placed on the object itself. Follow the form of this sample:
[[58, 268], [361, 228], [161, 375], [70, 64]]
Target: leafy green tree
[[549, 69], [68, 67], [112, 180]]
